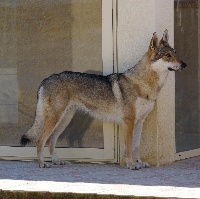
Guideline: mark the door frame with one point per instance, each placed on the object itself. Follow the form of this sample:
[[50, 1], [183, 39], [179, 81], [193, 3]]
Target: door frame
[[187, 154], [110, 151], [193, 152]]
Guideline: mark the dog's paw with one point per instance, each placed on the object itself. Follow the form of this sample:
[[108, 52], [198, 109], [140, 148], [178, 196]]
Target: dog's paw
[[44, 165], [134, 167], [143, 164], [131, 165], [59, 162]]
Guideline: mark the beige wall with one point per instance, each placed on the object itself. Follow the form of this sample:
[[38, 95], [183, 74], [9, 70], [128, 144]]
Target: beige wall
[[137, 20], [166, 101]]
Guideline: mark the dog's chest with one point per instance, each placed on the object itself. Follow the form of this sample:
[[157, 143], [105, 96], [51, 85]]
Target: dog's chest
[[143, 107]]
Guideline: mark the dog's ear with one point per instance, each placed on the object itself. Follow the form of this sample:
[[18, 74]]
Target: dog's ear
[[153, 43], [165, 38]]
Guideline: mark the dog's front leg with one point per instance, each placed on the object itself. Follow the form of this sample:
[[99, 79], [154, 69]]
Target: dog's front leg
[[128, 128], [136, 144]]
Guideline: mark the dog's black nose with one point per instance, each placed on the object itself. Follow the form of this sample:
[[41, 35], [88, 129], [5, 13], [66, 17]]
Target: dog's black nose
[[183, 65]]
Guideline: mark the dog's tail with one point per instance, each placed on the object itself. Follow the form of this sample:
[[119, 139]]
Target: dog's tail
[[25, 140], [32, 134]]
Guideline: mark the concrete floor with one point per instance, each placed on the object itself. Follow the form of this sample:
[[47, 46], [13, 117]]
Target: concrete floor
[[178, 180]]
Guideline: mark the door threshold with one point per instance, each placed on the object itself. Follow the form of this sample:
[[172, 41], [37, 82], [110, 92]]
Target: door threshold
[[187, 154]]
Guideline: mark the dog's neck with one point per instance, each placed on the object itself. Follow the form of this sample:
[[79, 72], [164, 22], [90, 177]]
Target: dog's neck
[[149, 75], [162, 71]]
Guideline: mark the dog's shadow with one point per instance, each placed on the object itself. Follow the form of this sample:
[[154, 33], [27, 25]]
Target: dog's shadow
[[79, 125]]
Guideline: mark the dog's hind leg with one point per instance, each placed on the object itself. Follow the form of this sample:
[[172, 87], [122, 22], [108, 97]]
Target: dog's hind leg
[[136, 144], [51, 121], [54, 136]]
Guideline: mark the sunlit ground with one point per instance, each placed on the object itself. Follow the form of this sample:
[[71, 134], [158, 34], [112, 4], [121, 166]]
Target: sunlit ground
[[110, 189]]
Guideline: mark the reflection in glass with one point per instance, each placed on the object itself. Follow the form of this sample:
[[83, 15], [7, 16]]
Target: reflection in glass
[[187, 45], [39, 38]]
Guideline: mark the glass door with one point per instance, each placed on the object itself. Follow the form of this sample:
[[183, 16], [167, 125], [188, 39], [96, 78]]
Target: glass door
[[40, 38], [187, 45]]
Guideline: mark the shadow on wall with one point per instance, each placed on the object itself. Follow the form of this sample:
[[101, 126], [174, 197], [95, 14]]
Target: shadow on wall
[[80, 125], [44, 38]]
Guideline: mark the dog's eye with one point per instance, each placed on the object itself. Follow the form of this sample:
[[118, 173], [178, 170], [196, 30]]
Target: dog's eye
[[168, 55]]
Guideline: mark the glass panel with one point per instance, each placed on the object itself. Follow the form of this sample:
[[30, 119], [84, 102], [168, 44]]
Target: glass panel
[[187, 45], [39, 38]]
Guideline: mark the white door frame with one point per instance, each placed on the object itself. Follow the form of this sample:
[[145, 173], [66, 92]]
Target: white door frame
[[187, 154], [109, 153]]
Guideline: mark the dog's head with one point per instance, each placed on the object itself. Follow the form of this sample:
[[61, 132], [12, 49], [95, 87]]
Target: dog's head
[[162, 56]]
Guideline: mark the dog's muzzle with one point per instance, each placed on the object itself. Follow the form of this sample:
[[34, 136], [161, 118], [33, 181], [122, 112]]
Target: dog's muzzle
[[182, 66]]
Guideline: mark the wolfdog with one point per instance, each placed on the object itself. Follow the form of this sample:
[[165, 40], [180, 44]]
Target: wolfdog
[[125, 98]]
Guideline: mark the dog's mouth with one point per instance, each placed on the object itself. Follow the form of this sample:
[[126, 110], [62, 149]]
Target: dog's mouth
[[171, 69]]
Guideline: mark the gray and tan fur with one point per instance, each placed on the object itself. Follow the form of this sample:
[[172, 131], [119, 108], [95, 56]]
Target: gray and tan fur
[[125, 98]]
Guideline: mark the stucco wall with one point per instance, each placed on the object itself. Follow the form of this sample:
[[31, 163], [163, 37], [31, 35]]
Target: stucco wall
[[137, 20], [166, 100]]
